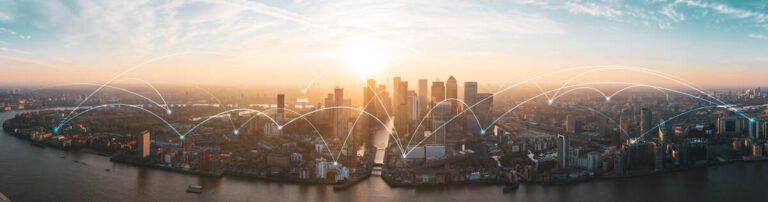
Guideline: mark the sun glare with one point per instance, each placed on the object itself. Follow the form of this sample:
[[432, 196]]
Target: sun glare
[[365, 58]]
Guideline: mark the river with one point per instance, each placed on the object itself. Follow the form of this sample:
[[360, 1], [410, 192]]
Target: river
[[31, 173]]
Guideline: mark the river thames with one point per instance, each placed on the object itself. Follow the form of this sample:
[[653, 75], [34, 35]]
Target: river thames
[[31, 173]]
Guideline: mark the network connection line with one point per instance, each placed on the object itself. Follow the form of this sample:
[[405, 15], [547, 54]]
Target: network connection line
[[153, 88], [68, 119], [621, 130], [153, 60], [163, 106], [432, 109], [221, 105]]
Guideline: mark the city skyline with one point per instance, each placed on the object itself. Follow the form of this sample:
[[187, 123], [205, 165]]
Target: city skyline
[[370, 100], [283, 43]]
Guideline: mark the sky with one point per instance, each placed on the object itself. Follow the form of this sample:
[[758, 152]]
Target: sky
[[282, 42]]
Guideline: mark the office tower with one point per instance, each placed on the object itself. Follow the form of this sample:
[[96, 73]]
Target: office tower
[[729, 126], [753, 129], [470, 98], [452, 92], [396, 92], [280, 116], [563, 148], [440, 116], [764, 129], [339, 115], [384, 107], [570, 124], [645, 121], [438, 92], [660, 146], [413, 106], [369, 104], [142, 144], [423, 96], [483, 111], [401, 110]]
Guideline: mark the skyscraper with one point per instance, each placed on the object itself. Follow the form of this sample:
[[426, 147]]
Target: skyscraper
[[470, 98], [423, 96], [438, 91], [400, 107], [646, 120], [660, 146], [440, 115], [280, 116], [339, 115], [369, 104], [396, 92], [483, 111], [570, 124], [563, 148], [451, 92], [142, 144]]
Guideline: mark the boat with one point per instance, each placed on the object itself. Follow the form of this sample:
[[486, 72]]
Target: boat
[[509, 188], [195, 189], [108, 170]]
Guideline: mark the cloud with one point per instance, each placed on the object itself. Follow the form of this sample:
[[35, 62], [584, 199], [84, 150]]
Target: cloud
[[728, 10], [16, 34], [672, 13], [758, 36], [593, 9], [17, 51]]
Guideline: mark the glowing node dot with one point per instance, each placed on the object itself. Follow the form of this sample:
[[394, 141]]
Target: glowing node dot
[[335, 163], [304, 91], [482, 132], [752, 120], [279, 128], [550, 101], [607, 98], [181, 137], [56, 130], [236, 132], [404, 156], [168, 112]]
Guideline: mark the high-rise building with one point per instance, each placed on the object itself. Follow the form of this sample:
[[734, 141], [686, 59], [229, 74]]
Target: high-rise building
[[339, 115], [660, 146], [369, 105], [470, 98], [729, 126], [484, 111], [646, 121], [396, 92], [413, 106], [438, 91], [452, 92], [624, 127], [754, 129], [423, 96], [280, 116], [401, 110], [142, 144], [563, 149], [570, 124], [440, 116]]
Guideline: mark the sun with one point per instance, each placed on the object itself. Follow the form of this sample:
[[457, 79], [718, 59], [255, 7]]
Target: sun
[[365, 58]]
